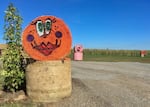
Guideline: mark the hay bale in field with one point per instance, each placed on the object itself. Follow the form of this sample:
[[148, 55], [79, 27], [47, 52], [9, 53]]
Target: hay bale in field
[[49, 81]]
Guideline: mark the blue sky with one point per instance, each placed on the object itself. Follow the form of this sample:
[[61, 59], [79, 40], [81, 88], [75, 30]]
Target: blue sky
[[101, 24]]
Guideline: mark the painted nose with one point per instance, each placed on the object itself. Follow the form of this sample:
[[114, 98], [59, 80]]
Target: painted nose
[[44, 36]]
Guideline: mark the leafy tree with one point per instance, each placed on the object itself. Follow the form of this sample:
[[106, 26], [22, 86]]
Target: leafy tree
[[13, 71]]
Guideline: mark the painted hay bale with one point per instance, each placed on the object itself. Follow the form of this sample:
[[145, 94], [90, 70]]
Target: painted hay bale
[[78, 56], [78, 52], [49, 81], [47, 38]]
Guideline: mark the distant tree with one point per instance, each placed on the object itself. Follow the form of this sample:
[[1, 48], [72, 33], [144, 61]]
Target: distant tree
[[13, 72]]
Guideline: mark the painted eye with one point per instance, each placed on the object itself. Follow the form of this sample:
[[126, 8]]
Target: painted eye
[[40, 28], [48, 24]]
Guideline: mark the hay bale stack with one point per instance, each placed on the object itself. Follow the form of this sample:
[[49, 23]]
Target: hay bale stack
[[49, 81]]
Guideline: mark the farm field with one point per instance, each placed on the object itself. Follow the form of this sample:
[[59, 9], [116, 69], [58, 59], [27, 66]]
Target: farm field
[[104, 84], [114, 55]]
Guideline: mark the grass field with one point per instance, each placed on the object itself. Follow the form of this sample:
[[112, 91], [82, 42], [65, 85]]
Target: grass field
[[117, 59], [114, 55]]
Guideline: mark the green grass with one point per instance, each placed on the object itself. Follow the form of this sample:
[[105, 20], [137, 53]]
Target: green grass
[[116, 58], [114, 55]]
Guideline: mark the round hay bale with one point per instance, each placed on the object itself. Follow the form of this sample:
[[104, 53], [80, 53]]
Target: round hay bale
[[48, 81], [47, 38]]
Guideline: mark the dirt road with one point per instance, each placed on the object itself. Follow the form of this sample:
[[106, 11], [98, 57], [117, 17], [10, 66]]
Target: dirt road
[[109, 84]]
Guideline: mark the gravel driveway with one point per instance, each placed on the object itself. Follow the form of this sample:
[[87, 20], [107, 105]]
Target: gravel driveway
[[108, 84]]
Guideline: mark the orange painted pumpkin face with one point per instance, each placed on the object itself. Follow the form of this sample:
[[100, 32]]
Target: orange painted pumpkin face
[[47, 38]]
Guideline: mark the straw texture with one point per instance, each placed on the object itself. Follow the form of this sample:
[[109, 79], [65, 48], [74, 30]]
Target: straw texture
[[49, 81]]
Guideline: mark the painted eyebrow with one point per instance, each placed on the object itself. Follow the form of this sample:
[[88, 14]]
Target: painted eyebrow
[[34, 22], [48, 19], [54, 20]]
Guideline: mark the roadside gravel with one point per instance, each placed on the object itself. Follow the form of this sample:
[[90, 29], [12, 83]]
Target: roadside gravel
[[109, 84]]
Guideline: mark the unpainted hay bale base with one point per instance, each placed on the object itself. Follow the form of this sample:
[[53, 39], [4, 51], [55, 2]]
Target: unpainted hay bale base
[[48, 81]]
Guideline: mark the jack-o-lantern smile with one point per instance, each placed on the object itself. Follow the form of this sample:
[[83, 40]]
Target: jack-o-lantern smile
[[46, 49], [46, 38]]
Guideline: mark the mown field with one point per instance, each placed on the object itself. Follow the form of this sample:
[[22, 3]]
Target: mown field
[[114, 55]]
